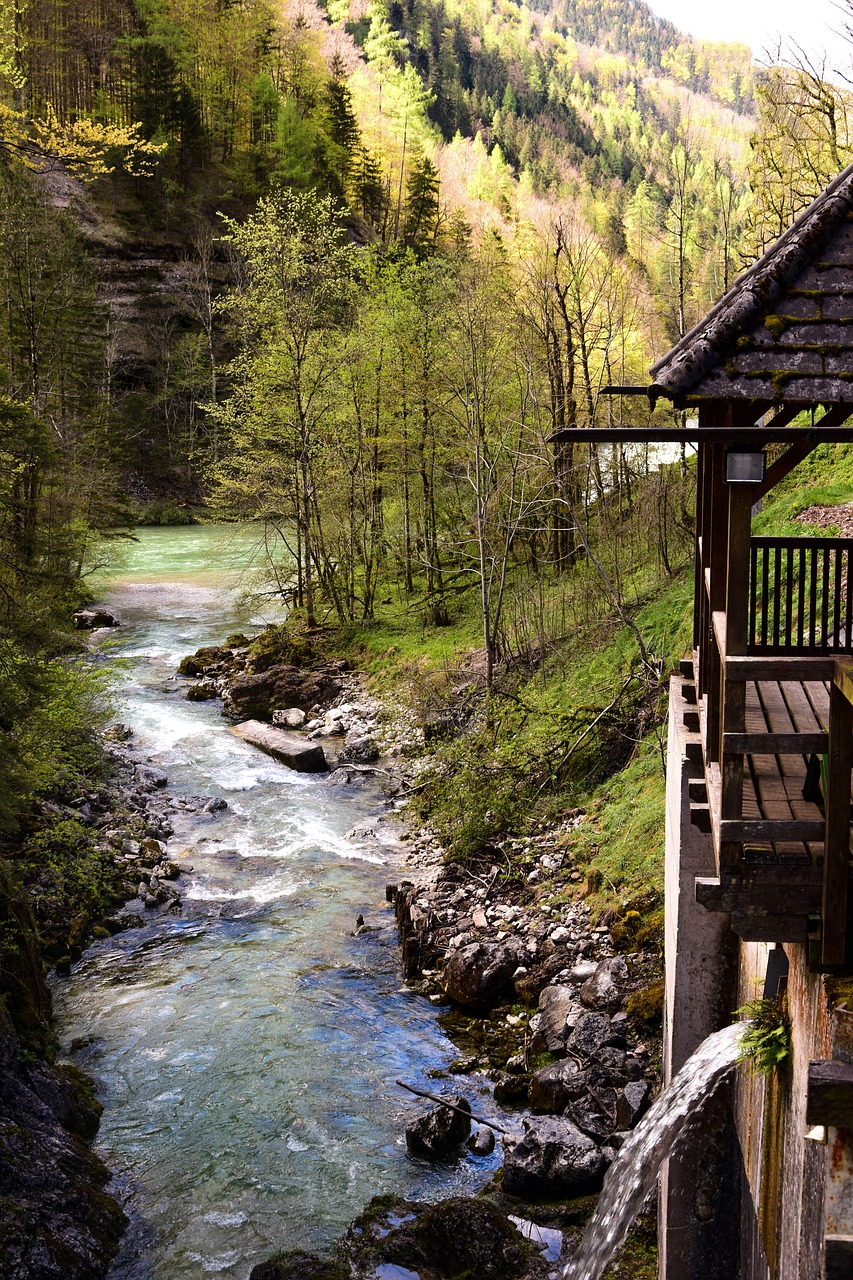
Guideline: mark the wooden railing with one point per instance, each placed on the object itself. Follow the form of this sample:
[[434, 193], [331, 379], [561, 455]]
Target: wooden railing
[[836, 855], [800, 596]]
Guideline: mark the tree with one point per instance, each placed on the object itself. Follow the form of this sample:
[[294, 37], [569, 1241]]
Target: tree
[[295, 302]]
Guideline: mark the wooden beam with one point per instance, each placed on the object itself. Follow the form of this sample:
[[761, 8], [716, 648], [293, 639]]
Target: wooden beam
[[776, 897], [718, 621], [762, 830], [714, 435], [830, 1094], [836, 860], [772, 667], [769, 928], [776, 744]]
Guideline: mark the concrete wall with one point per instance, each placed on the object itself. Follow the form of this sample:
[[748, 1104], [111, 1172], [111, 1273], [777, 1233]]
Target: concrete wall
[[754, 1198]]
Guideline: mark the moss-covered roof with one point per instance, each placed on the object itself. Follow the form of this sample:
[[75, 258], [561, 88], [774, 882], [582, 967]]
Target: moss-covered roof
[[784, 331]]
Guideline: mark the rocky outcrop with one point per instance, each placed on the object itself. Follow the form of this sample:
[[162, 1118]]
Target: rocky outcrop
[[91, 619], [257, 694], [57, 1220]]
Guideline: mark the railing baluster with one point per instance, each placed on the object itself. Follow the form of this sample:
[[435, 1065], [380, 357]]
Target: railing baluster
[[848, 608], [801, 606], [789, 593], [753, 590], [777, 603], [836, 600], [765, 593], [812, 598], [824, 604]]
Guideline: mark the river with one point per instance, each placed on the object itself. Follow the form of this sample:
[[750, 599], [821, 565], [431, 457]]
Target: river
[[245, 1050]]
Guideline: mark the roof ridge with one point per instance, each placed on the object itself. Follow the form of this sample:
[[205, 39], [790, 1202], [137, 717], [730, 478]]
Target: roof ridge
[[694, 354]]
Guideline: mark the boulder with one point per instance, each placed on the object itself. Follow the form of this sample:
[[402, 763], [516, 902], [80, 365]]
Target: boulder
[[359, 750], [290, 718], [482, 1143], [551, 1159], [201, 692], [554, 1086], [631, 1103], [592, 1033], [605, 988], [288, 748], [557, 1004], [439, 1131], [258, 693], [91, 619], [590, 1119], [478, 975]]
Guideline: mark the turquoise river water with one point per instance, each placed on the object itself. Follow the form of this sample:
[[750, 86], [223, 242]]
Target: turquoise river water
[[245, 1050]]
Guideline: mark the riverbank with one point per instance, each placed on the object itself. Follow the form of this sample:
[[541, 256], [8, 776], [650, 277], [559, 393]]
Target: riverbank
[[554, 1004]]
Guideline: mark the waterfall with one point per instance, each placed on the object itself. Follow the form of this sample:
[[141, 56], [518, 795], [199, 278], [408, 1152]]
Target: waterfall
[[632, 1175]]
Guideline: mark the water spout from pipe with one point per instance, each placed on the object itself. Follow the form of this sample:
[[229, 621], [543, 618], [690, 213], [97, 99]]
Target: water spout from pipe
[[633, 1174]]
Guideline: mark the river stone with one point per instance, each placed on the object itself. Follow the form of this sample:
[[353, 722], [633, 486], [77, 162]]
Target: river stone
[[552, 1158], [290, 718], [288, 748], [604, 989], [92, 619], [482, 1143], [260, 692], [359, 750], [590, 1119], [553, 1087], [297, 1266], [592, 1032], [477, 975], [557, 1003], [439, 1131], [632, 1103]]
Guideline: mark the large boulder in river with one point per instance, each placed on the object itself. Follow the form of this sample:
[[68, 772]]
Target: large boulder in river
[[478, 975], [551, 1159], [92, 619], [440, 1131], [292, 749], [258, 694]]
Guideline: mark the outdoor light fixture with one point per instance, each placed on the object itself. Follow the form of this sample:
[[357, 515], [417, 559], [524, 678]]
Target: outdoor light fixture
[[745, 466]]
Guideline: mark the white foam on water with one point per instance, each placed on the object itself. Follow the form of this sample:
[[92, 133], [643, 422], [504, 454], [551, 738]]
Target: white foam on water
[[270, 890], [225, 1219], [221, 1263], [293, 1144]]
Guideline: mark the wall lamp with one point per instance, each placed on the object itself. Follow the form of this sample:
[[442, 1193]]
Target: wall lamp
[[745, 466]]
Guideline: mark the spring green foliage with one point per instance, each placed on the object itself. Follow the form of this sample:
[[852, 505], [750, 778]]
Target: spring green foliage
[[766, 1042]]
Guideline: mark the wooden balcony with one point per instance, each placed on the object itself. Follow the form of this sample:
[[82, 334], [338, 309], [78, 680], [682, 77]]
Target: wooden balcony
[[773, 677]]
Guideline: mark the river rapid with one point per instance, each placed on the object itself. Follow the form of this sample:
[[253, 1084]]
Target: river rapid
[[246, 1049]]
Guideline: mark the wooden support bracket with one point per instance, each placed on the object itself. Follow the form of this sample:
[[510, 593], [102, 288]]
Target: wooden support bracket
[[830, 1094]]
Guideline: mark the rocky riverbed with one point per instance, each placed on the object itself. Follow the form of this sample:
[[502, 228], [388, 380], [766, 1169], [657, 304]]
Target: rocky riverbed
[[533, 991]]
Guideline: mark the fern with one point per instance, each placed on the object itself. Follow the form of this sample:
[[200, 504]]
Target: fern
[[766, 1042]]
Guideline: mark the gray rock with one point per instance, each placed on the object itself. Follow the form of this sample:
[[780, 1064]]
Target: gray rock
[[482, 1143], [216, 805], [590, 1119], [557, 1003], [593, 1032], [290, 718], [296, 752], [552, 1158], [631, 1103], [151, 778], [438, 1132], [359, 750], [554, 1086], [605, 988], [477, 975], [582, 970]]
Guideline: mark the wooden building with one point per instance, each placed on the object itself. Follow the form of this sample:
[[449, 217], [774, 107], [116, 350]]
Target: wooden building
[[768, 374], [758, 855]]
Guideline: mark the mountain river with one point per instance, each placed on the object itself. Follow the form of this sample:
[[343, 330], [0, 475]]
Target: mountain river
[[245, 1050]]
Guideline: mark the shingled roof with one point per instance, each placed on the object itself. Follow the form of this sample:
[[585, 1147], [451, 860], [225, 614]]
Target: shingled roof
[[784, 331]]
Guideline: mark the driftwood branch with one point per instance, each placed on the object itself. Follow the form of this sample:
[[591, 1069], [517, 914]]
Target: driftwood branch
[[433, 1097]]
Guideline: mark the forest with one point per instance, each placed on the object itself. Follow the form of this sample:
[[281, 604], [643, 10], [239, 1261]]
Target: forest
[[339, 270]]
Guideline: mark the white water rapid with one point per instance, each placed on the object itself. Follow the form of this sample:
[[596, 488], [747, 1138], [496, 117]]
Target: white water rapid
[[632, 1175]]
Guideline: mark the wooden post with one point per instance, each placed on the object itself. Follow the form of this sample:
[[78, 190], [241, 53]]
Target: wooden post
[[836, 853], [716, 562], [740, 500]]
